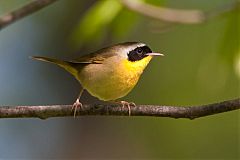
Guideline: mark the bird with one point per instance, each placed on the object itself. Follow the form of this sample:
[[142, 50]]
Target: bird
[[109, 73]]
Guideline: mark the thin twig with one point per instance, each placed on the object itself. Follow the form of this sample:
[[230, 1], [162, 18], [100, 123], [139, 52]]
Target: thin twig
[[23, 11], [157, 12], [190, 112], [171, 15]]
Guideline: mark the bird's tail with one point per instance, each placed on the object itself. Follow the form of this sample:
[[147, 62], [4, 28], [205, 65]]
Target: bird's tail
[[64, 64]]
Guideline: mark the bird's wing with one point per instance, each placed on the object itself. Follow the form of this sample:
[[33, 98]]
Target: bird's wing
[[88, 60], [96, 57]]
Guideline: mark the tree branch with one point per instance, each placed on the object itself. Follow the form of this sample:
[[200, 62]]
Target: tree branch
[[180, 16], [190, 112], [23, 11]]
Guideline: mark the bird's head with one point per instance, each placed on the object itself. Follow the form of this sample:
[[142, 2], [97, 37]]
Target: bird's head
[[134, 56], [134, 51]]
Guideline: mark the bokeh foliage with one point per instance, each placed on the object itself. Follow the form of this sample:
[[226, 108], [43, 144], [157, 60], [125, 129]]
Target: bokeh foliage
[[200, 66]]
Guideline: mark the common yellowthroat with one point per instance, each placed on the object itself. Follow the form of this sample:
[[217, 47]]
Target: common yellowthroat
[[109, 73]]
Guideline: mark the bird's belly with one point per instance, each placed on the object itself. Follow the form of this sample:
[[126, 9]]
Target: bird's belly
[[107, 83]]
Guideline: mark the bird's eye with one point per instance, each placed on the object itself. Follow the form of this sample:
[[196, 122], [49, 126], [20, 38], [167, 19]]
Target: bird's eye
[[139, 50], [138, 53]]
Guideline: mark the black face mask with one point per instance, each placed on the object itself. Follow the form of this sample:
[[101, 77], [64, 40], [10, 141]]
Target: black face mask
[[138, 53]]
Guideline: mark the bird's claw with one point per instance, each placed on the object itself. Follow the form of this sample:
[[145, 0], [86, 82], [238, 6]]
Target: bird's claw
[[128, 105], [76, 106]]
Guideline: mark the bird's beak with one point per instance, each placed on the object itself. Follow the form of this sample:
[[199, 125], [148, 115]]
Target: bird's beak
[[154, 54]]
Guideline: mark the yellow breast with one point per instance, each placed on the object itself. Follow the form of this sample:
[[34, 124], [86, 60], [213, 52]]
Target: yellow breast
[[113, 79]]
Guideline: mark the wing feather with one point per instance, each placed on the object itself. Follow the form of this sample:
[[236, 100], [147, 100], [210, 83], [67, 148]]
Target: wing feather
[[95, 58]]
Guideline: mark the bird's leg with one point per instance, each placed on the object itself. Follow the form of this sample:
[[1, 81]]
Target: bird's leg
[[126, 104], [77, 104]]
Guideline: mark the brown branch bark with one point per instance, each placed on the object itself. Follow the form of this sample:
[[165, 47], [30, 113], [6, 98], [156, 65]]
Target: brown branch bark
[[180, 16], [23, 11], [190, 112]]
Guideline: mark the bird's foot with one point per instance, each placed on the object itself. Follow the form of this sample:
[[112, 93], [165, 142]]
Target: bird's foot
[[76, 106], [128, 105]]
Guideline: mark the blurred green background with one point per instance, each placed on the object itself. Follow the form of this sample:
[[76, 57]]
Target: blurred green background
[[201, 65]]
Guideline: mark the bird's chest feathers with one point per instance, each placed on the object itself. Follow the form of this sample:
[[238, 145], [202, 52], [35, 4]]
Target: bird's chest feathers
[[131, 71], [113, 79]]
